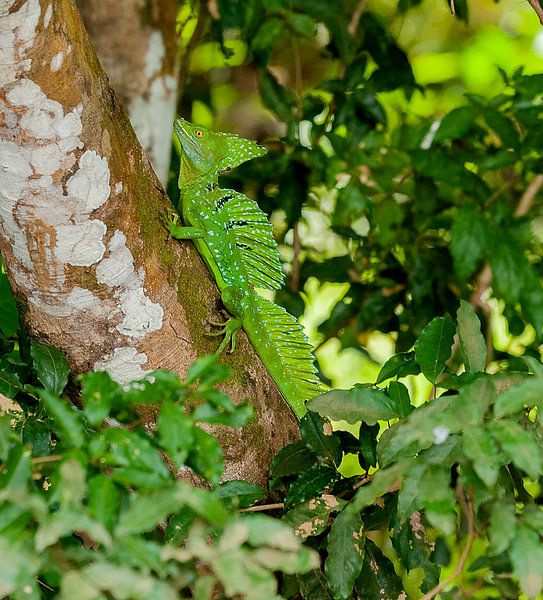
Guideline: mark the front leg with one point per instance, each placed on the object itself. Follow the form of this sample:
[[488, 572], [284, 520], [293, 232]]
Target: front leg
[[180, 232]]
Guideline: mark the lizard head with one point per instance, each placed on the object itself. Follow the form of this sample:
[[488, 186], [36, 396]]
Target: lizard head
[[206, 153]]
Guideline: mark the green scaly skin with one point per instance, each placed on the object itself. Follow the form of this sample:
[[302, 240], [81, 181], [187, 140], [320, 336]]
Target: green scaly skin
[[234, 237]]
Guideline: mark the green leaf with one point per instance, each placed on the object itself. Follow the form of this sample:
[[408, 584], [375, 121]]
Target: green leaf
[[9, 316], [481, 449], [313, 482], [399, 365], [124, 583], [276, 97], [521, 448], [526, 555], [36, 432], [135, 460], [408, 497], [442, 166], [292, 459], [262, 43], [290, 563], [103, 500], [533, 517], [345, 553], [314, 586], [20, 564], [368, 444], [318, 435], [66, 418], [311, 517], [51, 366], [456, 124], [433, 348], [502, 526], [208, 370], [66, 522], [99, 393], [239, 493], [72, 484], [468, 240], [472, 342], [399, 393], [498, 160], [378, 580], [175, 430], [503, 127], [75, 585], [206, 456], [147, 510], [266, 531], [527, 394], [9, 381], [300, 24], [508, 262], [418, 431], [361, 403], [384, 481]]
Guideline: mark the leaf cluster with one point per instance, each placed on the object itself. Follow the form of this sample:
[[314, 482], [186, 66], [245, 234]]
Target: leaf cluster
[[95, 504]]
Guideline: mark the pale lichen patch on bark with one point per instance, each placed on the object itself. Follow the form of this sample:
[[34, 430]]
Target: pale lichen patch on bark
[[17, 32], [123, 364], [151, 116], [48, 15], [155, 54], [140, 315], [56, 61], [49, 192]]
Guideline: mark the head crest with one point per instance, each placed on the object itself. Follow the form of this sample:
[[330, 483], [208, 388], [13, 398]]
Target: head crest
[[239, 150], [206, 153]]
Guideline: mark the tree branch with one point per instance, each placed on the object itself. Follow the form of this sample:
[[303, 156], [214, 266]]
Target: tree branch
[[538, 9]]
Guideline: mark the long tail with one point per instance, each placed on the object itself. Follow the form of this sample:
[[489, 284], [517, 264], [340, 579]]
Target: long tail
[[283, 347]]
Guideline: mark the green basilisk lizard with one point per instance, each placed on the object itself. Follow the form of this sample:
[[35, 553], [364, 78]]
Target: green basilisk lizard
[[235, 239]]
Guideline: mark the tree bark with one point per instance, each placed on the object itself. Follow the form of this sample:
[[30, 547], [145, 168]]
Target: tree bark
[[81, 232], [136, 43]]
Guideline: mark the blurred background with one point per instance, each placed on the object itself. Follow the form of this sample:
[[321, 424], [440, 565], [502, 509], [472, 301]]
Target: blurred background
[[370, 191]]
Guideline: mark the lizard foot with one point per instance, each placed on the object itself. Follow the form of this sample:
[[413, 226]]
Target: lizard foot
[[171, 222], [230, 331]]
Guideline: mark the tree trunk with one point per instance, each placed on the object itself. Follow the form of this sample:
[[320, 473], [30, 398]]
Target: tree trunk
[[81, 230], [136, 43]]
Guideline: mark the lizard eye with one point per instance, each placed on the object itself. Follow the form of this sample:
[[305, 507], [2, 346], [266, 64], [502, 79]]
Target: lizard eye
[[226, 169], [199, 133]]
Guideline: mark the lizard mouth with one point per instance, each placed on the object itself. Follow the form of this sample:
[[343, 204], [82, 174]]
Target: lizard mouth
[[183, 133]]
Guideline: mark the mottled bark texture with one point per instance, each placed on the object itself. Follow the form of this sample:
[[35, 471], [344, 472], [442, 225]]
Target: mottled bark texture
[[136, 43], [81, 230]]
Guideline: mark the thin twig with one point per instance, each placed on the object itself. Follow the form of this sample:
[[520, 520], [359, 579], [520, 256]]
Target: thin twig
[[538, 9], [298, 78], [527, 199], [467, 509], [453, 8], [355, 19], [297, 247], [263, 507], [46, 459], [184, 70], [484, 280]]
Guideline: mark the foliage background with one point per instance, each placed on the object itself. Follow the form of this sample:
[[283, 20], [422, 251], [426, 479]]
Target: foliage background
[[404, 180]]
